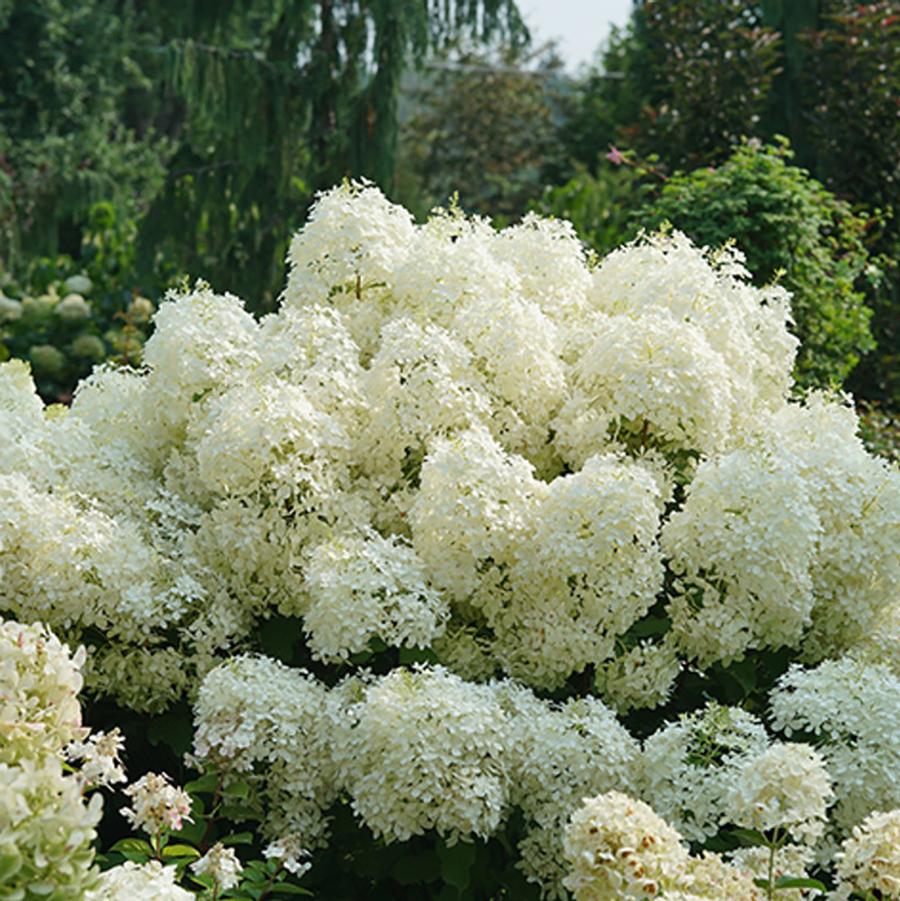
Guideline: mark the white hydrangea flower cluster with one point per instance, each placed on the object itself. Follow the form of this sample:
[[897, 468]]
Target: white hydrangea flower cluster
[[857, 500], [98, 758], [130, 881], [39, 684], [46, 830], [690, 765], [786, 787], [221, 865], [869, 860], [414, 750], [558, 571], [365, 588], [882, 644], [157, 805], [251, 712], [498, 425], [851, 708], [712, 878], [290, 853], [617, 847], [642, 676], [484, 446], [424, 750], [559, 754], [743, 546]]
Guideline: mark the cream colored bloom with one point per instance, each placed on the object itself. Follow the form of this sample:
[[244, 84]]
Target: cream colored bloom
[[617, 847], [39, 683], [129, 881], [786, 787], [869, 861], [157, 805], [221, 864]]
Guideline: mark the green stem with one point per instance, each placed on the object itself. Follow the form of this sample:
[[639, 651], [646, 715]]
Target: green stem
[[213, 811], [774, 844], [268, 886]]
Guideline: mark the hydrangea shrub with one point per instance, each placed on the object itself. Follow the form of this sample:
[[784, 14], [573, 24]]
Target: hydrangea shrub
[[504, 520]]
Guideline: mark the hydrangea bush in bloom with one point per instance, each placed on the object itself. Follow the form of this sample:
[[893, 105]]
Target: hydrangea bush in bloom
[[502, 512], [46, 826]]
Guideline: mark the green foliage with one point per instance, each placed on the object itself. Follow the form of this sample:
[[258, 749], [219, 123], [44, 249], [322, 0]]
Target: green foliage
[[879, 429], [684, 80], [852, 82], [792, 230], [64, 144], [210, 124], [213, 798], [484, 122], [67, 314], [268, 103]]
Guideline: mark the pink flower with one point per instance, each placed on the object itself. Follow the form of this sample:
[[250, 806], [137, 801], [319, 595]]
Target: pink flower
[[615, 156]]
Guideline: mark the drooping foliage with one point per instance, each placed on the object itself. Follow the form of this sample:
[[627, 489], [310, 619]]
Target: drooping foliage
[[213, 123], [271, 101]]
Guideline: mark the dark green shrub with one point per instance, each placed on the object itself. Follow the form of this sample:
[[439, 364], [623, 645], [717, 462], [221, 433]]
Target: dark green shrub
[[852, 82], [791, 229], [685, 79]]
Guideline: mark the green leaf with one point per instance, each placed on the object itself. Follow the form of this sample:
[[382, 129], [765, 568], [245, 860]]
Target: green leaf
[[239, 812], [456, 863], [278, 636], [10, 863], [797, 882], [192, 832], [406, 656], [180, 851], [238, 789], [238, 838], [744, 673], [175, 730], [203, 880], [416, 868], [750, 837], [206, 784], [132, 846], [287, 888]]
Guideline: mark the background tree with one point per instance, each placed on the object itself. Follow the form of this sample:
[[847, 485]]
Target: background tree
[[485, 125], [269, 102], [853, 82], [691, 79], [67, 68], [214, 123]]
